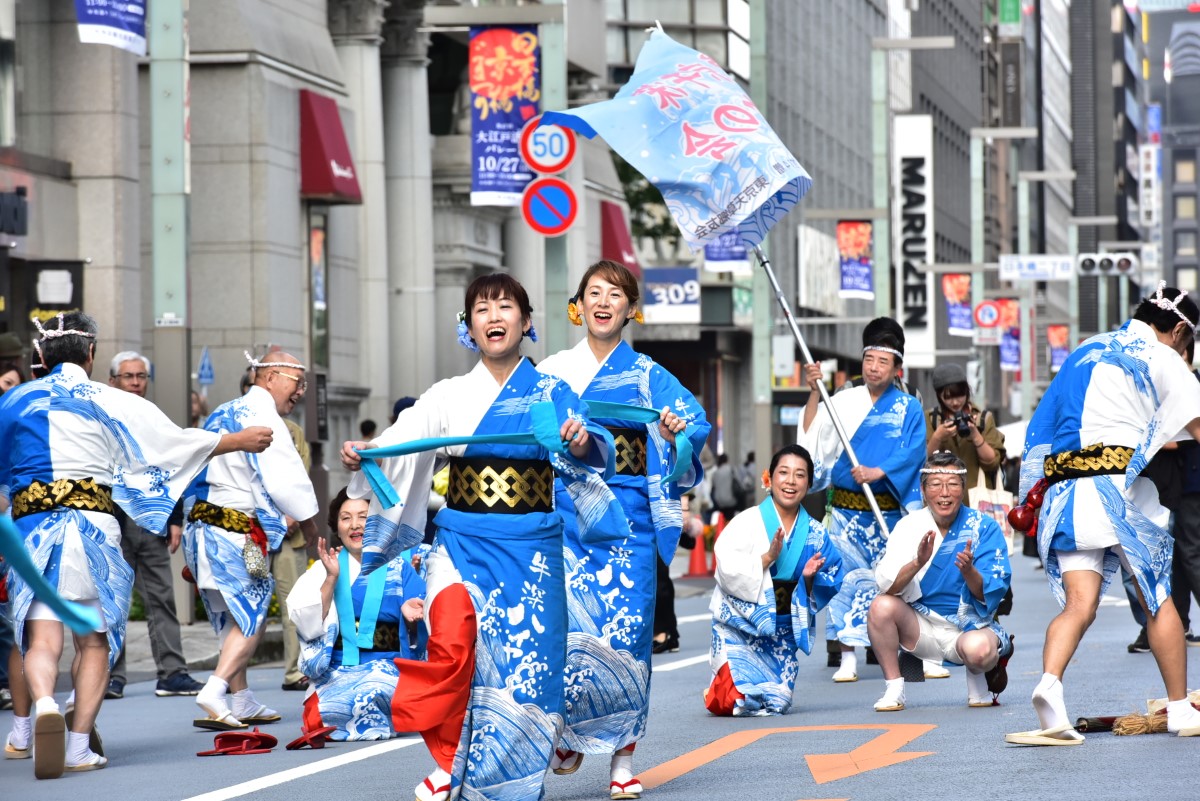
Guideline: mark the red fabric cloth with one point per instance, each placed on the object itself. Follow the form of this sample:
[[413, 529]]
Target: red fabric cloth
[[431, 696], [310, 720], [722, 696], [258, 536]]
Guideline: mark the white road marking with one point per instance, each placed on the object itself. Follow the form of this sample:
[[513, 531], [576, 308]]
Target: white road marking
[[254, 785], [1113, 600], [694, 618], [681, 663]]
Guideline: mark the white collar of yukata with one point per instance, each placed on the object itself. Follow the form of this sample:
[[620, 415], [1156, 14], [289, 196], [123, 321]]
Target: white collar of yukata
[[1166, 304]]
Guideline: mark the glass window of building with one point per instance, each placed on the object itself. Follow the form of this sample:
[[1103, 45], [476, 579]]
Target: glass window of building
[[1185, 208], [1185, 243], [1185, 170], [662, 10]]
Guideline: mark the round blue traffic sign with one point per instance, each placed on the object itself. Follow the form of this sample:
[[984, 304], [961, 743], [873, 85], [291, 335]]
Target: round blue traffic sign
[[987, 314], [549, 206]]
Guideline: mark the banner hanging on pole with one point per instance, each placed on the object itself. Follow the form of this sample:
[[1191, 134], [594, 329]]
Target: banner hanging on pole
[[856, 259], [1058, 341], [505, 84], [1010, 334], [119, 23], [956, 287], [692, 131]]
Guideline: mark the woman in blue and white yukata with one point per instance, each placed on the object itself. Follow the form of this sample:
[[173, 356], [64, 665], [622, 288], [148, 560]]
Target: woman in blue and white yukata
[[776, 569], [611, 582], [886, 428], [352, 628], [488, 699]]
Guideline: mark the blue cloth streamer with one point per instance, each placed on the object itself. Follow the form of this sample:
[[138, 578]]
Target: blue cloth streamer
[[80, 619], [643, 414], [545, 433], [357, 632], [785, 564]]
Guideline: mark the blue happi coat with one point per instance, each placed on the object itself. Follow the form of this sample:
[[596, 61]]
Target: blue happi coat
[[356, 698], [761, 646], [611, 581], [888, 434], [510, 564], [1124, 388], [64, 426]]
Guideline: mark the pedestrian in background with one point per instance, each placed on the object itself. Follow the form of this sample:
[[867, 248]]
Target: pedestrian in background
[[956, 425]]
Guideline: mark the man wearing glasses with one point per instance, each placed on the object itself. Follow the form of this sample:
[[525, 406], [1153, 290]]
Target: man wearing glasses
[[238, 512], [149, 554], [941, 578], [957, 426]]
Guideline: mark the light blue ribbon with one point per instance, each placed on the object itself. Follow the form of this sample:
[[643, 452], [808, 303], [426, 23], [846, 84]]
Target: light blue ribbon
[[642, 414], [545, 433], [80, 619], [784, 567], [357, 632]]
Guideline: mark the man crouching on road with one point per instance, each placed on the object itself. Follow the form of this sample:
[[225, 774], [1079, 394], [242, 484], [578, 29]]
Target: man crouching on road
[[237, 513], [942, 575]]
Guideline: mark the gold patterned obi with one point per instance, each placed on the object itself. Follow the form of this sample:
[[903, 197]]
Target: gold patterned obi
[[857, 501], [220, 516], [500, 486], [631, 450], [73, 493], [1094, 460]]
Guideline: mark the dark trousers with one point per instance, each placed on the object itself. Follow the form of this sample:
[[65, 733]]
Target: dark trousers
[[664, 601], [147, 554], [1185, 568]]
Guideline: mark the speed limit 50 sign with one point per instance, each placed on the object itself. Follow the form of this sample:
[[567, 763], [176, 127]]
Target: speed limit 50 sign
[[547, 149]]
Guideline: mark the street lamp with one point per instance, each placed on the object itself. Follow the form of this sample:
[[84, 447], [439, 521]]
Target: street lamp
[[880, 136], [980, 136], [1029, 288]]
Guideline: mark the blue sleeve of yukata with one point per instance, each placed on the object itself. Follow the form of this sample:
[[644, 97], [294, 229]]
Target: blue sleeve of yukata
[[991, 560], [828, 580], [903, 463], [665, 390], [601, 457]]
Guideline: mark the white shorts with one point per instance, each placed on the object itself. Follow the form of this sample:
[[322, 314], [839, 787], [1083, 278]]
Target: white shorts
[[937, 639], [1090, 559], [42, 611]]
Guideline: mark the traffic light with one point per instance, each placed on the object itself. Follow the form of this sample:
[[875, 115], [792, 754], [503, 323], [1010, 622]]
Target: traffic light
[[1106, 264]]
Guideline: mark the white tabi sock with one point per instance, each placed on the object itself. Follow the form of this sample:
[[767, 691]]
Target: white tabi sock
[[44, 705], [1181, 715], [1048, 702], [212, 696], [977, 686], [850, 661], [78, 752], [19, 736]]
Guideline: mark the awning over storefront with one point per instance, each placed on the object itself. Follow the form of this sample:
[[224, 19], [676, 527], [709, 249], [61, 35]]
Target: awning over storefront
[[326, 168], [615, 242]]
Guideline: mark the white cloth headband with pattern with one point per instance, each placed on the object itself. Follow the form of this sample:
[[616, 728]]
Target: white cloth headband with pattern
[[1166, 304], [893, 351], [255, 363]]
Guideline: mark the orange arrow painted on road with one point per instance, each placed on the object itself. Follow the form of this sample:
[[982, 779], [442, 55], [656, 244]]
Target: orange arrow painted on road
[[878, 752]]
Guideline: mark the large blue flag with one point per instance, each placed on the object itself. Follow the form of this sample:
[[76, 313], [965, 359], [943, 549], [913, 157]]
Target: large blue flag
[[691, 130]]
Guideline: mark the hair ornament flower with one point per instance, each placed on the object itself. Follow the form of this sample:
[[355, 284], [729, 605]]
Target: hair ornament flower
[[638, 318], [464, 335], [532, 333], [766, 479], [573, 312]]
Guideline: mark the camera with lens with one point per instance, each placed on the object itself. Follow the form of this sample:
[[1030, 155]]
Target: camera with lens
[[962, 423]]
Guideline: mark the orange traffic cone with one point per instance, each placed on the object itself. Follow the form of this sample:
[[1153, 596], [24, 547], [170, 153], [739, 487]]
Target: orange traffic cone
[[698, 564]]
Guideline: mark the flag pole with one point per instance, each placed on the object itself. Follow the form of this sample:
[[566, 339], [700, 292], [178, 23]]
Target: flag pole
[[808, 358]]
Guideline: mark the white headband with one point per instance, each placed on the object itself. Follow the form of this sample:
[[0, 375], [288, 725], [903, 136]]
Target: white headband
[[257, 364], [61, 331], [950, 471], [1171, 305], [893, 351]]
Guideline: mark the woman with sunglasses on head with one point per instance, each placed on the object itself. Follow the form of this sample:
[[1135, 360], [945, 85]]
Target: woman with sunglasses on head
[[956, 425], [611, 583], [488, 699]]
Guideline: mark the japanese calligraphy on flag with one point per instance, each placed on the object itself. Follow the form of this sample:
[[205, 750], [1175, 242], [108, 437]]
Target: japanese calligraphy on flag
[[692, 131]]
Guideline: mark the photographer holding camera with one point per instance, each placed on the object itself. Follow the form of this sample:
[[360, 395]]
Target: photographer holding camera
[[957, 426]]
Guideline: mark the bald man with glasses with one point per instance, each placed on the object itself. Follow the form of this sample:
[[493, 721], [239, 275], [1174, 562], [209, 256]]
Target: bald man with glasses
[[239, 512]]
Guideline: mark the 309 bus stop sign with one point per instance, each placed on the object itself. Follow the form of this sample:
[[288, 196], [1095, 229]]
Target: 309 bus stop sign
[[547, 149], [549, 206]]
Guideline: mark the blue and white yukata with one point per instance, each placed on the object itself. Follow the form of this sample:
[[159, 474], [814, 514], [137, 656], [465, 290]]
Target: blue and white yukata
[[352, 687], [890, 435], [1124, 388], [65, 426], [755, 645], [489, 698], [611, 581], [938, 590], [265, 486]]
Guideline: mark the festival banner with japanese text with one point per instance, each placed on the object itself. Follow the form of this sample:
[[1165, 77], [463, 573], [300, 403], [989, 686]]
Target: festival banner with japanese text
[[505, 83], [1010, 334], [119, 23], [956, 287], [1058, 341], [856, 259], [692, 131]]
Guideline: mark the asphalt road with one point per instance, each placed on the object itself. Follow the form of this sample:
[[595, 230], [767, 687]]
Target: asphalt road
[[832, 746]]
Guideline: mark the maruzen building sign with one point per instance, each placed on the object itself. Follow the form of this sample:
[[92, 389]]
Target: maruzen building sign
[[912, 234]]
